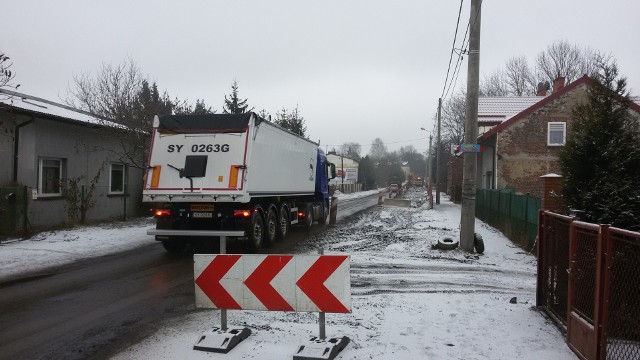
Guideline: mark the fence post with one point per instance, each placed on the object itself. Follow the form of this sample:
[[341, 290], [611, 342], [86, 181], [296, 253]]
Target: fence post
[[541, 281], [600, 306]]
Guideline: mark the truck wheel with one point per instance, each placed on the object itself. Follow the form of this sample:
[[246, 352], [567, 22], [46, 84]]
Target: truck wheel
[[308, 220], [284, 223], [325, 214], [272, 226], [256, 232], [174, 246]]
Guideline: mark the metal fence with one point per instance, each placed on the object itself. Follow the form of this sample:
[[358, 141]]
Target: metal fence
[[515, 215], [553, 263], [589, 280], [621, 320]]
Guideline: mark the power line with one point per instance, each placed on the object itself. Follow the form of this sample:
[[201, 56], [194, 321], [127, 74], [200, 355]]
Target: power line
[[385, 143], [463, 51], [455, 35]]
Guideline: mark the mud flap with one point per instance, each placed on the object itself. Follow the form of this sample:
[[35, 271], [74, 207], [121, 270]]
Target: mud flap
[[217, 340], [316, 348]]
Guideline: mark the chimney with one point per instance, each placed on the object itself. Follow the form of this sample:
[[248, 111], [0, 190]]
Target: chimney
[[542, 91], [558, 83]]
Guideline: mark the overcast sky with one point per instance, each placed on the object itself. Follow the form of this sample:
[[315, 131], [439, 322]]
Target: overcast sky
[[357, 69]]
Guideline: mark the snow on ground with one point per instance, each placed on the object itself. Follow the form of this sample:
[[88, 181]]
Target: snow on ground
[[410, 301], [59, 247]]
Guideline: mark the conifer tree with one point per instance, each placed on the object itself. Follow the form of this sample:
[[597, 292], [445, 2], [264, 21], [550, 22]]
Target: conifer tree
[[233, 104], [601, 159], [292, 121]]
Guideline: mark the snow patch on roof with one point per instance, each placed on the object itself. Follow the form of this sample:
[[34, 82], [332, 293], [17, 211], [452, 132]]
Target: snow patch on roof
[[501, 108], [51, 108]]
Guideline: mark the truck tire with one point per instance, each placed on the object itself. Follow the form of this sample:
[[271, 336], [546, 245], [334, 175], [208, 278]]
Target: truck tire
[[447, 243], [283, 222], [308, 220], [256, 231], [272, 226], [325, 214], [174, 246]]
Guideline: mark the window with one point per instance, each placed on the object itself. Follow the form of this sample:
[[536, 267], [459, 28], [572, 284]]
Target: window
[[49, 177], [556, 133], [116, 179]]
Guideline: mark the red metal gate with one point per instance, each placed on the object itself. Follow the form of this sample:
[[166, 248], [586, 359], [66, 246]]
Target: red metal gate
[[585, 249]]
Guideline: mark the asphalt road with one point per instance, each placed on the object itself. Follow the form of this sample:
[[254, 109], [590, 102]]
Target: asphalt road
[[96, 307]]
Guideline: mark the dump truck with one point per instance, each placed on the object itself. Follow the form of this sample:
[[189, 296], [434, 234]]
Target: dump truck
[[233, 172]]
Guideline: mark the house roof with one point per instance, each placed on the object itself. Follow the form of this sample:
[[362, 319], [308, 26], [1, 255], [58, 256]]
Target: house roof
[[46, 108], [526, 112], [496, 109]]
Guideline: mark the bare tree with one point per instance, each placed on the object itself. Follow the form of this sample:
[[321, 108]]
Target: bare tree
[[494, 84], [378, 149], [569, 60], [112, 95], [519, 77], [452, 118], [351, 150], [6, 75]]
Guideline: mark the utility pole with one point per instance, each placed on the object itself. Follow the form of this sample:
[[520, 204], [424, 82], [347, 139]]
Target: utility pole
[[438, 155], [429, 163], [468, 213]]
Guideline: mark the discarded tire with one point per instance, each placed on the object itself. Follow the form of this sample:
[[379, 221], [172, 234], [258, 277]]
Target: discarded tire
[[478, 243], [447, 243]]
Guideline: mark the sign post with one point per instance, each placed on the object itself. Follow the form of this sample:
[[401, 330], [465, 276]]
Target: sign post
[[222, 339], [319, 347]]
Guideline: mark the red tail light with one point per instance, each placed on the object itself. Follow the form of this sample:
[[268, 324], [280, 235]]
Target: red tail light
[[300, 214], [162, 212], [242, 213]]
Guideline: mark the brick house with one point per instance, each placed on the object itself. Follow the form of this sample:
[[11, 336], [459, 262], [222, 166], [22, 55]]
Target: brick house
[[524, 147], [43, 145], [492, 111]]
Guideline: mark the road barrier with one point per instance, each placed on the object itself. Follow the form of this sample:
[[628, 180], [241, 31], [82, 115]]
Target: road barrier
[[310, 283], [333, 213]]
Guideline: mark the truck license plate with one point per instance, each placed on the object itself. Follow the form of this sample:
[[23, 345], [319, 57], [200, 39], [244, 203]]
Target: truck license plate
[[202, 207], [202, 215]]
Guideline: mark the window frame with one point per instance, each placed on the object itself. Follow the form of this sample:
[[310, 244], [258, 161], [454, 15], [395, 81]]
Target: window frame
[[564, 132], [124, 178], [41, 161]]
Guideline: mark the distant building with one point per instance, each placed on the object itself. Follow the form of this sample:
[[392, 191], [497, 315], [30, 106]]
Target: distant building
[[346, 167]]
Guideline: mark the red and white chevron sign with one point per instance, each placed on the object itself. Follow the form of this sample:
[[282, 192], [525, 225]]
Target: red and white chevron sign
[[273, 282]]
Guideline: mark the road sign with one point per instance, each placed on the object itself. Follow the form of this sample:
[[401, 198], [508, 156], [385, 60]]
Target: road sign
[[273, 282], [474, 148]]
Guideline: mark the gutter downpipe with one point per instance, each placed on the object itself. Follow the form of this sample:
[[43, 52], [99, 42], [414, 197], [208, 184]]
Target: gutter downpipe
[[495, 164], [16, 144]]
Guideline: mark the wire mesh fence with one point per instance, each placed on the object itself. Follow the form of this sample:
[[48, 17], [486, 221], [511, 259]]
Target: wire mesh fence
[[553, 259], [622, 296], [603, 287]]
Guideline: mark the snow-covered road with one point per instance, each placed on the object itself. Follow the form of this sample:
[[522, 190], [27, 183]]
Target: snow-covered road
[[410, 301]]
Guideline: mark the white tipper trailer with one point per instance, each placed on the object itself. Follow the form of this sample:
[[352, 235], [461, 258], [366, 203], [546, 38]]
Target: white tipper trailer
[[233, 172]]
